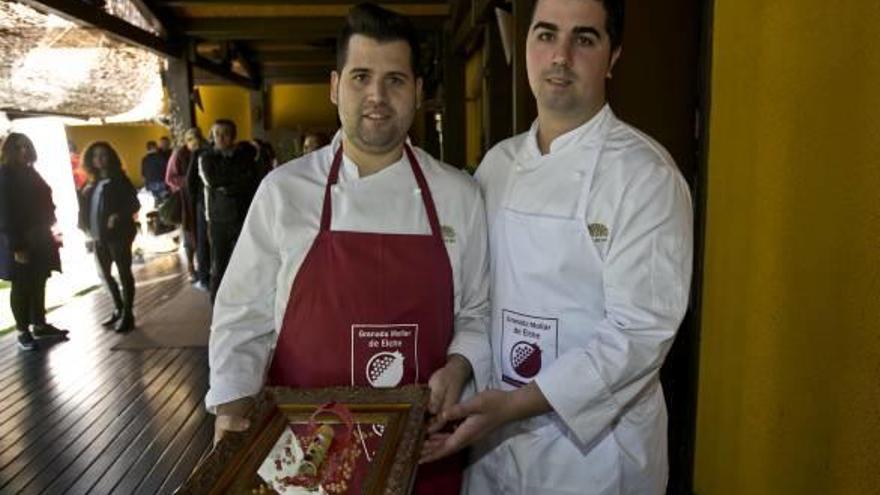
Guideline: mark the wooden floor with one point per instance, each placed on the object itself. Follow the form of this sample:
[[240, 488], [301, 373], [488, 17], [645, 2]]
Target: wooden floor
[[77, 417]]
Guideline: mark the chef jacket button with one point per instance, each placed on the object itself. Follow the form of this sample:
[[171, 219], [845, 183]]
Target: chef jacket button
[[336, 188], [417, 191]]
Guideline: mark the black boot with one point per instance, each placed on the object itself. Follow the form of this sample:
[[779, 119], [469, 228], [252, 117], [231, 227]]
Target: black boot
[[126, 323], [26, 341], [113, 318]]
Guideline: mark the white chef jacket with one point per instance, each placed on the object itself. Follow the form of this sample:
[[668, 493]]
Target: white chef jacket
[[282, 224], [607, 431]]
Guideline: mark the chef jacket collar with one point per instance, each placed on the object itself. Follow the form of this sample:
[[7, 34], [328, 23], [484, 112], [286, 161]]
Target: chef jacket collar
[[583, 135], [349, 171]]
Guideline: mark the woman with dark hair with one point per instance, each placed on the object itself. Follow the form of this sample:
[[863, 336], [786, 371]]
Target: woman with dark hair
[[106, 214], [28, 251]]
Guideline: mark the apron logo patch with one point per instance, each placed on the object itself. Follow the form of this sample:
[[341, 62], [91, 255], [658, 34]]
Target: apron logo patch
[[384, 356], [598, 232], [526, 359], [385, 369], [448, 233], [528, 344]]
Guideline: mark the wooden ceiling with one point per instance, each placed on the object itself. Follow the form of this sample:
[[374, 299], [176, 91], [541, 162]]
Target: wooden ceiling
[[249, 42], [279, 41], [254, 43]]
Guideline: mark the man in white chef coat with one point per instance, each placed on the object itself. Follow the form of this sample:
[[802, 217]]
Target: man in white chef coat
[[368, 237], [590, 232]]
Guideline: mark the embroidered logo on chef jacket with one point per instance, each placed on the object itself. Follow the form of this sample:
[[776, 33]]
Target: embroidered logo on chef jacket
[[528, 344], [384, 356], [448, 233], [598, 232]]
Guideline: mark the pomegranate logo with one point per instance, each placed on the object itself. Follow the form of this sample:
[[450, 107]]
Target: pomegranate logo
[[385, 369], [525, 357]]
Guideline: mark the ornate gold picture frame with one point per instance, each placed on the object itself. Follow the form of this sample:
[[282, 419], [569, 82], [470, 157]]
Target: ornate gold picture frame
[[388, 429]]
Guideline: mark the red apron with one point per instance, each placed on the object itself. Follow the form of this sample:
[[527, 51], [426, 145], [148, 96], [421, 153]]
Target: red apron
[[369, 309]]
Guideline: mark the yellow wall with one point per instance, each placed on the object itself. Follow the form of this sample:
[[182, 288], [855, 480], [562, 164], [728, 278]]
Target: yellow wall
[[790, 362], [225, 102], [473, 109], [302, 107], [128, 140]]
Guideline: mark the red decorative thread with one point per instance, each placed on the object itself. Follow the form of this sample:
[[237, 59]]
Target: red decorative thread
[[338, 466]]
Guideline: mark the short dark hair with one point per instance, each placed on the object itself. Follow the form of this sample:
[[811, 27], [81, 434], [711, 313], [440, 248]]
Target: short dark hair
[[380, 24], [151, 145], [614, 17]]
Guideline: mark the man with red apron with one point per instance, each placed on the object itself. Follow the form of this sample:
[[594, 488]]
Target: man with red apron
[[368, 256]]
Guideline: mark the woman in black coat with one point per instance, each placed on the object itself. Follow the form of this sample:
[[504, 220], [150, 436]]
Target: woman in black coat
[[107, 208], [28, 251]]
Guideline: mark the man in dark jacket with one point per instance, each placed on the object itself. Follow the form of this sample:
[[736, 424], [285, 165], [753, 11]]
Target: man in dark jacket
[[153, 167], [230, 177]]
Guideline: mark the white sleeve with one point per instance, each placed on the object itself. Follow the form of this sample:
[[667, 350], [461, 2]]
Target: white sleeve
[[646, 281], [242, 329], [471, 335]]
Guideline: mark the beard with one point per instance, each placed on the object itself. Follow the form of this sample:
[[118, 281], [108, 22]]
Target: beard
[[376, 136]]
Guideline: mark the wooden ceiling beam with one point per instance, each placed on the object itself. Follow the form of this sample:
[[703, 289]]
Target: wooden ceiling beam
[[279, 28], [275, 71], [202, 3], [301, 57], [287, 10], [149, 12], [84, 14], [247, 60], [225, 73], [300, 77]]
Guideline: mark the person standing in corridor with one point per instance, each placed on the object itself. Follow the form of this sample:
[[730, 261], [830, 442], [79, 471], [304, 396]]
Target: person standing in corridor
[[590, 228], [107, 210]]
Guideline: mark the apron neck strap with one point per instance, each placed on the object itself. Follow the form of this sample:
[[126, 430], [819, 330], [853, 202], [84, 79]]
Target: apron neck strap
[[427, 199], [327, 211]]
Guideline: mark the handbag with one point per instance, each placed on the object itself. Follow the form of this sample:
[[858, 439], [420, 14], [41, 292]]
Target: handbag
[[170, 209]]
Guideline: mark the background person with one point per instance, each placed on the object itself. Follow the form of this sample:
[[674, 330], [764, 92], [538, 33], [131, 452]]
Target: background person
[[28, 250], [153, 167], [164, 149], [197, 195], [107, 211], [313, 141], [230, 176], [176, 179]]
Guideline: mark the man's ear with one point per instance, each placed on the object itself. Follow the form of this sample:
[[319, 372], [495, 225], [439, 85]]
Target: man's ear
[[614, 56], [334, 87], [419, 95]]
